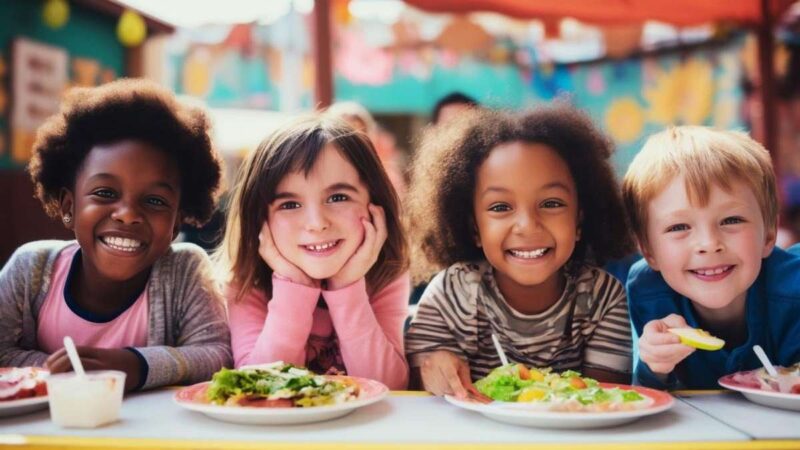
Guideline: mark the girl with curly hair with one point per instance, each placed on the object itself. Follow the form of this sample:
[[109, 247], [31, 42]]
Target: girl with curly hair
[[315, 257], [519, 210], [122, 166]]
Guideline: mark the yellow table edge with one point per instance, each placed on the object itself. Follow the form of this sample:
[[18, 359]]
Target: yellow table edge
[[66, 442]]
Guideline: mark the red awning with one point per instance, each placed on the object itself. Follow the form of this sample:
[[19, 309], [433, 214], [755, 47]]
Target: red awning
[[677, 12]]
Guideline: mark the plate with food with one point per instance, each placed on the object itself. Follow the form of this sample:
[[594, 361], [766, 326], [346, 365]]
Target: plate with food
[[22, 390], [279, 394], [546, 399], [781, 391]]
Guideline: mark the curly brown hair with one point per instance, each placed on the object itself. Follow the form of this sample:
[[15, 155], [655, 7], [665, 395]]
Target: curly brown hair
[[440, 202], [127, 109]]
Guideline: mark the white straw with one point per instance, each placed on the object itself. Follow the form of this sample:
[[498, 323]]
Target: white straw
[[500, 351], [764, 360]]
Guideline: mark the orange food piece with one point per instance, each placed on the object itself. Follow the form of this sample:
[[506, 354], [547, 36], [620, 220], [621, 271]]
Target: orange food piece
[[577, 383], [524, 373]]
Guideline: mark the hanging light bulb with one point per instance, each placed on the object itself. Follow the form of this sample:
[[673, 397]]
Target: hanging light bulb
[[55, 13], [131, 29]]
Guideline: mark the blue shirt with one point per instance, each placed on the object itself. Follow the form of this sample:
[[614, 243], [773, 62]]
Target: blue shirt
[[772, 316], [619, 268]]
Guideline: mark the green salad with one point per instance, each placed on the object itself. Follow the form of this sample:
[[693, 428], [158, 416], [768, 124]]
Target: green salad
[[567, 391], [278, 385]]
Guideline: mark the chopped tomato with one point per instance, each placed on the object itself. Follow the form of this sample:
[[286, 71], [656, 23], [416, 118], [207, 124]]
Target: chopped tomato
[[40, 390]]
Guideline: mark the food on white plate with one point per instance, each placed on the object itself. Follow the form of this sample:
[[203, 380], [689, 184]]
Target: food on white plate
[[543, 389], [697, 338], [278, 385], [22, 382], [787, 381]]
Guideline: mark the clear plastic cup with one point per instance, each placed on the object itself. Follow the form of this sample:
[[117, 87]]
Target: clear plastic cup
[[85, 402]]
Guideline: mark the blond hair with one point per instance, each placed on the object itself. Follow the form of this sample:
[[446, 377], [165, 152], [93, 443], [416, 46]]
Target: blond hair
[[705, 157]]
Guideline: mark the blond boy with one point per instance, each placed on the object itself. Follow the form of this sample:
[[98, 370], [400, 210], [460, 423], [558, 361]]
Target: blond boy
[[704, 209]]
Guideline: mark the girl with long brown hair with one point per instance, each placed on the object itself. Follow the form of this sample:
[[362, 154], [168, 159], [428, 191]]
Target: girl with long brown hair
[[314, 255]]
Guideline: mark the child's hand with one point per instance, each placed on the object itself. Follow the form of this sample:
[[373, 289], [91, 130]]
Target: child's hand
[[660, 349], [280, 265], [366, 255], [94, 358], [444, 373]]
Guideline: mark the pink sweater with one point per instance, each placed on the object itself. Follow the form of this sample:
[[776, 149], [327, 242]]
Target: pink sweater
[[366, 334]]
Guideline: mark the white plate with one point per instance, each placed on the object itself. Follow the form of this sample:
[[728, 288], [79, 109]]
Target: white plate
[[370, 392], [22, 406], [514, 414], [767, 398]]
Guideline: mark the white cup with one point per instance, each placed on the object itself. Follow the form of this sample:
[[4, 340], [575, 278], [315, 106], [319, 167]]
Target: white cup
[[85, 402]]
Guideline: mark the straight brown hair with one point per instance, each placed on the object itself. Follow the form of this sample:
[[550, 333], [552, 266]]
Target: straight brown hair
[[294, 147]]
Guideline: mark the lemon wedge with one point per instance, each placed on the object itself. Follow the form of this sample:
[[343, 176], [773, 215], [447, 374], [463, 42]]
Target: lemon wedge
[[697, 338]]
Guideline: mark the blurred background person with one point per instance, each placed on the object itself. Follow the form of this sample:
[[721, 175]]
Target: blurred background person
[[450, 106]]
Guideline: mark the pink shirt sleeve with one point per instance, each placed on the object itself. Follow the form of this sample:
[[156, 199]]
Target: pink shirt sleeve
[[370, 330], [258, 337]]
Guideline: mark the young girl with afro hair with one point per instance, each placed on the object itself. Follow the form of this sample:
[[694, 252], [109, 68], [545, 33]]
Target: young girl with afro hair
[[519, 210], [122, 166]]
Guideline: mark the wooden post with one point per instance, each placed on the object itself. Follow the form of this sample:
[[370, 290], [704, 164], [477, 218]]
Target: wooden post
[[323, 62], [134, 61], [767, 88]]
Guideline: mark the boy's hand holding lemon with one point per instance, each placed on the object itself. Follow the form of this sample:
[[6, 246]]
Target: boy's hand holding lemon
[[660, 348], [697, 338]]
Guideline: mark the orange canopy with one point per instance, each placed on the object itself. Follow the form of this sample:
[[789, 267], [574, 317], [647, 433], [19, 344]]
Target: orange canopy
[[677, 12]]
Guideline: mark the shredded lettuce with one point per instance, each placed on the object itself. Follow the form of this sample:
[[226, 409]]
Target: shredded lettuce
[[517, 383], [278, 381]]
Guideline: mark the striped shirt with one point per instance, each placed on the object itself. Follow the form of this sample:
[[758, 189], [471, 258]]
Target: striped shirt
[[462, 306]]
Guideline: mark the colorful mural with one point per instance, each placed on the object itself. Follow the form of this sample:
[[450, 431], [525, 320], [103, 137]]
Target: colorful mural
[[405, 66], [93, 53], [245, 65], [631, 98]]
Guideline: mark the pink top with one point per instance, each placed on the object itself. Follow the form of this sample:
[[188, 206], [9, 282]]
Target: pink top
[[361, 335], [61, 317]]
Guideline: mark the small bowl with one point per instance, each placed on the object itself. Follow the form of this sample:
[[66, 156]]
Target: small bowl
[[85, 402]]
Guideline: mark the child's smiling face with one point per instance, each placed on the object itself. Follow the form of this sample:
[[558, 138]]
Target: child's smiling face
[[526, 212], [315, 219], [710, 254], [125, 208]]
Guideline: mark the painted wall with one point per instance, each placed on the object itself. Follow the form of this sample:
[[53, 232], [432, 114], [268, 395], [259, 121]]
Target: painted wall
[[394, 69], [87, 36], [629, 99]]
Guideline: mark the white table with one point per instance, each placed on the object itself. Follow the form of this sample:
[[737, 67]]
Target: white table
[[151, 420], [757, 421]]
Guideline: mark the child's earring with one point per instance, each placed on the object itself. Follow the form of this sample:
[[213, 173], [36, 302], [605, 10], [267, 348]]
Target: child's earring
[[65, 206]]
